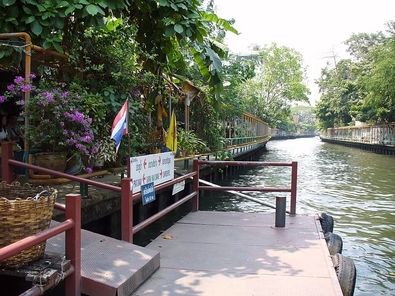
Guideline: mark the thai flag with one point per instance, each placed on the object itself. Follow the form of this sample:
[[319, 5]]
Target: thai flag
[[120, 125]]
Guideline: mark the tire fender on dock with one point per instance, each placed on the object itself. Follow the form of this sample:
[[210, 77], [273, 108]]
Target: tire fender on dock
[[326, 222], [346, 273], [334, 243]]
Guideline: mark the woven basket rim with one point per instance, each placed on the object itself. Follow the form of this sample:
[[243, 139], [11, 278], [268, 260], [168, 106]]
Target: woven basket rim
[[25, 191], [29, 213]]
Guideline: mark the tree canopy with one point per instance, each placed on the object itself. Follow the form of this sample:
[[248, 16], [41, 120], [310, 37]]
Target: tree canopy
[[360, 88], [141, 50], [147, 49], [168, 31], [279, 81]]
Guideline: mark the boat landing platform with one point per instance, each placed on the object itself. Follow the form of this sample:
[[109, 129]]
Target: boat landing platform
[[109, 267], [232, 253]]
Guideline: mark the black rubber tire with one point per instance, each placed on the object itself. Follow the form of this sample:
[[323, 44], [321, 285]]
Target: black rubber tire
[[346, 273], [326, 222], [334, 243]]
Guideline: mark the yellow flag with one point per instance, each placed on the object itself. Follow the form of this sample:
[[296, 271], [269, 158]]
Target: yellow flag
[[171, 141]]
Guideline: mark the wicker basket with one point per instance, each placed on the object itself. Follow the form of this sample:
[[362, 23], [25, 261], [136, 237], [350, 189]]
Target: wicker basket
[[24, 211]]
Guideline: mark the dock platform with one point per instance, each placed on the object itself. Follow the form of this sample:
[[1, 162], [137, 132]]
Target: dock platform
[[109, 267], [232, 253]]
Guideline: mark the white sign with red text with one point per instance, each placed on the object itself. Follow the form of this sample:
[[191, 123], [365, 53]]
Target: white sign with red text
[[157, 168]]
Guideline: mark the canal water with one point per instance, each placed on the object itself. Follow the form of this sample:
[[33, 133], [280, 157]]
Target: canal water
[[354, 186]]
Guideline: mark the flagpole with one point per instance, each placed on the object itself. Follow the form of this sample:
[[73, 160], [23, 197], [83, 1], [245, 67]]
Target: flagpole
[[174, 131], [120, 127], [128, 151]]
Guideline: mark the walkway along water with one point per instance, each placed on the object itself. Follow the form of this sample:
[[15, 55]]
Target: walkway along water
[[375, 138]]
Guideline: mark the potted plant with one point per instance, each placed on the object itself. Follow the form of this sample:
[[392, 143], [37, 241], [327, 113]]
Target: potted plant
[[189, 143], [57, 123], [106, 152]]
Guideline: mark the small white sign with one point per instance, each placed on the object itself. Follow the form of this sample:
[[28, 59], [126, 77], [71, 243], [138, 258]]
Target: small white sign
[[157, 168], [178, 187]]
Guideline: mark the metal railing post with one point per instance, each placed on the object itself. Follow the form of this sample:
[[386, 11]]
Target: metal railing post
[[195, 186], [73, 244], [281, 202], [294, 181], [126, 210]]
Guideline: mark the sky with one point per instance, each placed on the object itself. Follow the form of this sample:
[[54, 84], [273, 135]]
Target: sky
[[314, 28]]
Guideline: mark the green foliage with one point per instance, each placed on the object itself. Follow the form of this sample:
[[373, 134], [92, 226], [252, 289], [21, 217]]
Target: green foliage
[[93, 106], [325, 115], [280, 80], [178, 32], [282, 75], [306, 128], [237, 70], [169, 32], [223, 155], [189, 143], [379, 85], [339, 93], [52, 23], [286, 124], [359, 45], [208, 128], [307, 119], [362, 88], [106, 147]]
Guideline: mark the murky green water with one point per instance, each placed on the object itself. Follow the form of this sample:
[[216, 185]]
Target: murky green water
[[356, 187]]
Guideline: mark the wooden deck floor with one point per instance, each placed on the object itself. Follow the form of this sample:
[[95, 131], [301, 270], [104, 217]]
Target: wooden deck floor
[[227, 253]]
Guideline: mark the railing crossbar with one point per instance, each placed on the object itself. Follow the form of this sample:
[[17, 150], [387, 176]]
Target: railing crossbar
[[292, 189], [64, 175], [244, 163], [138, 195], [228, 188], [195, 194], [30, 241], [238, 194], [162, 213]]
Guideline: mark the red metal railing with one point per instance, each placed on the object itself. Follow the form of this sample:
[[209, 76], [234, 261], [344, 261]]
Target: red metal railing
[[293, 181], [162, 213], [73, 234], [196, 187], [72, 227]]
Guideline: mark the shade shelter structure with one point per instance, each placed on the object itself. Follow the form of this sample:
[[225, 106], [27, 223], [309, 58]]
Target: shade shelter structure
[[189, 92]]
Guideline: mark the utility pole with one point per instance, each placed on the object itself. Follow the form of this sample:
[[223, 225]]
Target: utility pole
[[333, 55]]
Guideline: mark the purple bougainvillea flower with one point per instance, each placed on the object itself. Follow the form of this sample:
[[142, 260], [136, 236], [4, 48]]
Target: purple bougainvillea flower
[[11, 88], [56, 121], [19, 80]]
